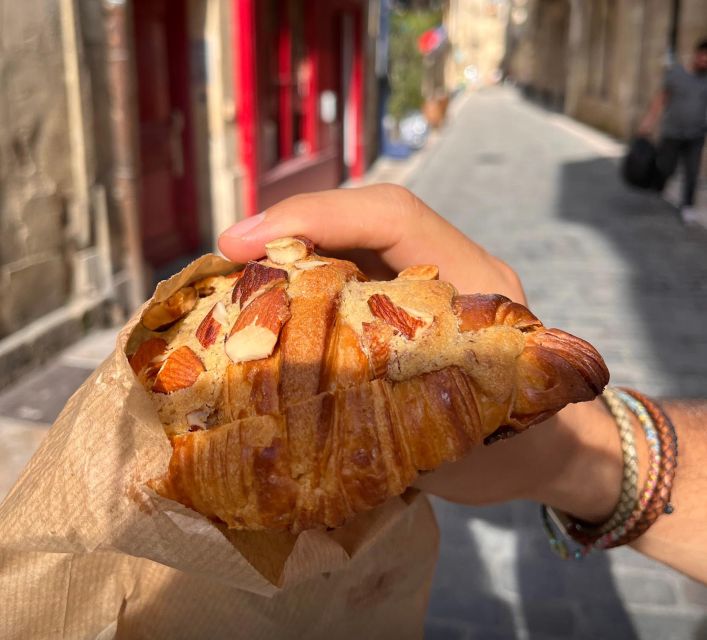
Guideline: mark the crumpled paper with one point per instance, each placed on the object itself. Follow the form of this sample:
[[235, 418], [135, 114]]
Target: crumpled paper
[[87, 550]]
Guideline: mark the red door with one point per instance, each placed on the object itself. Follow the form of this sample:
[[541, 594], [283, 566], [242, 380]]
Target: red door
[[350, 95], [167, 197]]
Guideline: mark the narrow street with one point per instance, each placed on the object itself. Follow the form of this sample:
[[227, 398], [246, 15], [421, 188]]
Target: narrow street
[[610, 265], [618, 269]]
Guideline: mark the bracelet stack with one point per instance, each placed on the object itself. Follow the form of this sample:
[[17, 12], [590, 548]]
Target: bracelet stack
[[635, 512]]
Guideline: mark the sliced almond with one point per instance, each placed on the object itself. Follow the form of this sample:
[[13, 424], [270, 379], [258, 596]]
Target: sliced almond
[[376, 341], [420, 272], [210, 326], [408, 322], [257, 279], [288, 250], [146, 352], [307, 243], [220, 313], [164, 314], [179, 371], [306, 265], [257, 329]]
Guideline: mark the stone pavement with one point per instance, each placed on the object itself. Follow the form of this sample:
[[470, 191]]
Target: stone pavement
[[28, 407], [613, 266]]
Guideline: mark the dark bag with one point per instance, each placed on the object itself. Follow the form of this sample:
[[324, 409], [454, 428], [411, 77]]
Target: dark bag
[[639, 166]]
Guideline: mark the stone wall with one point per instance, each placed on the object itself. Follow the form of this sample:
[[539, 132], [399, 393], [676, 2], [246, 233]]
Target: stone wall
[[35, 171], [477, 33], [91, 17], [608, 56], [693, 25], [538, 48], [622, 46]]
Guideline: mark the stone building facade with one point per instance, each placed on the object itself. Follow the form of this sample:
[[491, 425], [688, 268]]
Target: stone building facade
[[71, 255], [55, 266], [600, 61], [121, 150], [477, 34]]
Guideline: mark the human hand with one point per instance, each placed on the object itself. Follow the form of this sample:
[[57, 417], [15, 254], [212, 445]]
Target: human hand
[[393, 227], [396, 229]]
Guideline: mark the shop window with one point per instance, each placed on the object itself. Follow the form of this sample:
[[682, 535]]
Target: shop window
[[284, 79]]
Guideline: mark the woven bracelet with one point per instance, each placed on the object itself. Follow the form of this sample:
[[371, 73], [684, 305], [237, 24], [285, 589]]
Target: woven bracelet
[[629, 485], [612, 538], [586, 534], [654, 498], [660, 500]]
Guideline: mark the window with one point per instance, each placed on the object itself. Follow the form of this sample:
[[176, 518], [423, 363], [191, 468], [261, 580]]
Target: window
[[284, 79]]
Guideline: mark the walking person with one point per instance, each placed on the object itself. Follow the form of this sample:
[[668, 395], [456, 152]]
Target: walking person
[[681, 108]]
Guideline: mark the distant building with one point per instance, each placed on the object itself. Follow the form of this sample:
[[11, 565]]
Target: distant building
[[477, 34], [600, 61], [133, 131]]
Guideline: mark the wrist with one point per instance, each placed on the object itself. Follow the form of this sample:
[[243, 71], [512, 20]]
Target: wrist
[[584, 472]]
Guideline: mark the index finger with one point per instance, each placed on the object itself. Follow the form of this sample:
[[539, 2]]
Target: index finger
[[384, 218]]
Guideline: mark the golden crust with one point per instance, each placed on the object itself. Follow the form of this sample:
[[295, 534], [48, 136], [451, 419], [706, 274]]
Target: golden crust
[[369, 384]]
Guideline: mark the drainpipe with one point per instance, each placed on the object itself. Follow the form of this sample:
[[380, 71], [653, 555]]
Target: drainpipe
[[124, 179]]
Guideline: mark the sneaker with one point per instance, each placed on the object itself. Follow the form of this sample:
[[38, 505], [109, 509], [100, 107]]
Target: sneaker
[[689, 216]]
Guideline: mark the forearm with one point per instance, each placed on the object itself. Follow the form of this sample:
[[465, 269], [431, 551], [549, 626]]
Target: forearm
[[573, 463], [680, 539]]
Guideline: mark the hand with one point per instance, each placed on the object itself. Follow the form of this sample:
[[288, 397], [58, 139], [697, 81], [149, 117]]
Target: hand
[[394, 228], [573, 461]]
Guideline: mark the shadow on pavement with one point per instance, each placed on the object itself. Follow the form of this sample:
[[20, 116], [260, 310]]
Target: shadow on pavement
[[497, 574], [667, 280]]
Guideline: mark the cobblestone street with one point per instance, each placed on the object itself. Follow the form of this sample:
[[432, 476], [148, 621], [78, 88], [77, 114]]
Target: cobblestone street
[[612, 266]]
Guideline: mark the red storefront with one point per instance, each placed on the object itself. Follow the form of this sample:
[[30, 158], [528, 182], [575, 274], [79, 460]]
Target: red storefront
[[295, 70], [299, 92]]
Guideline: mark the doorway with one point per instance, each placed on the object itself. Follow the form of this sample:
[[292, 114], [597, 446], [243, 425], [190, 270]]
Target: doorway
[[168, 205], [350, 95]]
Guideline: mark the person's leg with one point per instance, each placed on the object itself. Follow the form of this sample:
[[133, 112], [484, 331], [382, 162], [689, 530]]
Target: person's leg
[[666, 160], [691, 157]]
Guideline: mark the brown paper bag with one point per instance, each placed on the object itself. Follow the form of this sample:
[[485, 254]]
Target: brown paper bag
[[87, 550]]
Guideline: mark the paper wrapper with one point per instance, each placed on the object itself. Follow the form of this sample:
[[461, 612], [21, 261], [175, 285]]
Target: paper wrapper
[[87, 550]]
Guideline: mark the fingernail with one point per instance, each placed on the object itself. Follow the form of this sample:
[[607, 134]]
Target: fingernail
[[245, 226]]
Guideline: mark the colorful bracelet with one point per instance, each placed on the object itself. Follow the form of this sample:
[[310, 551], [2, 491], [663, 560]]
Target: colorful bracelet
[[629, 484], [613, 537], [660, 500], [585, 533], [654, 499]]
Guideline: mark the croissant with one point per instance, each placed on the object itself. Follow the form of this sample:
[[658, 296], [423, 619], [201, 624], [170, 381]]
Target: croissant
[[296, 393]]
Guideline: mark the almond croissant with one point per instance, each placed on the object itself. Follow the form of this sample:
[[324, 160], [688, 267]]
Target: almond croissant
[[296, 393]]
